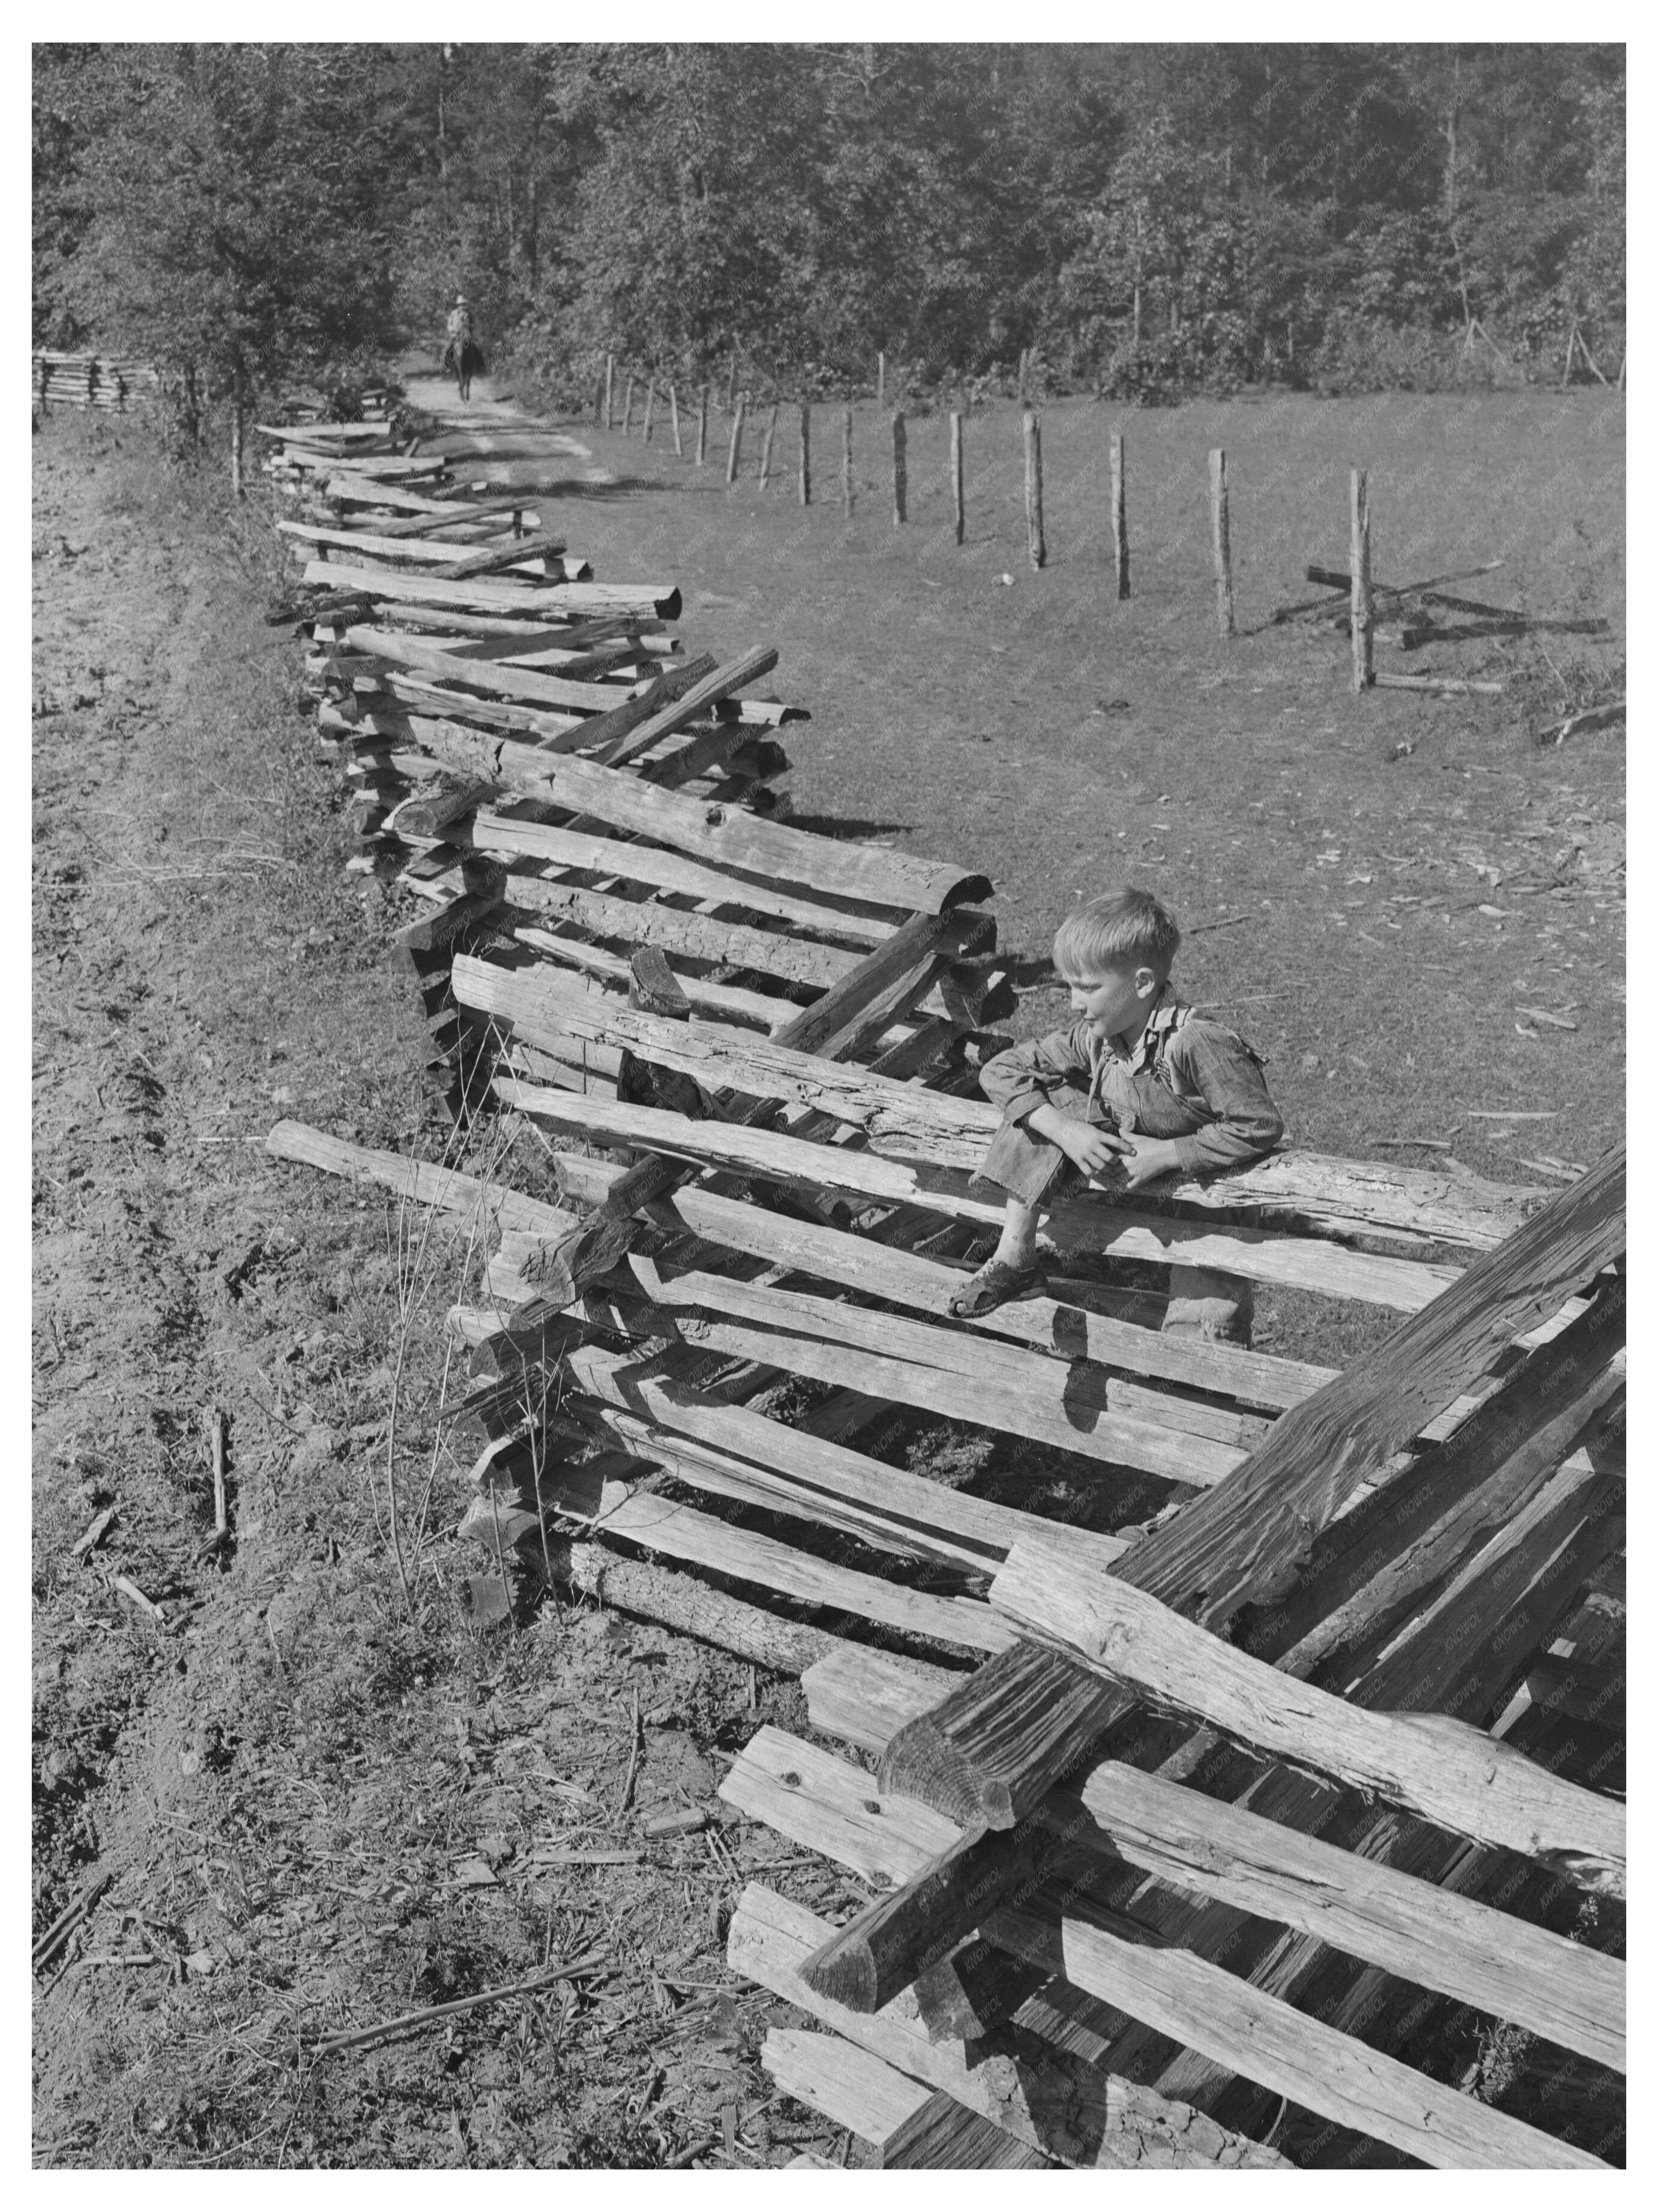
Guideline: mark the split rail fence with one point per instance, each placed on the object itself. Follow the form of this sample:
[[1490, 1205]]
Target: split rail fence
[[86, 380], [1245, 1729]]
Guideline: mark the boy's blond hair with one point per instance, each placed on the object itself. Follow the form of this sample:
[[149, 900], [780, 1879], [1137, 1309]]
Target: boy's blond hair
[[1125, 925]]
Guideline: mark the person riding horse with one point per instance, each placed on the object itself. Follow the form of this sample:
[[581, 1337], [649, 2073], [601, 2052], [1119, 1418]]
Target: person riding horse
[[461, 356]]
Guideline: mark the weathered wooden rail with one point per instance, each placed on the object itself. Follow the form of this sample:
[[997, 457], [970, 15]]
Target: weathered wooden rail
[[87, 380], [1230, 1728]]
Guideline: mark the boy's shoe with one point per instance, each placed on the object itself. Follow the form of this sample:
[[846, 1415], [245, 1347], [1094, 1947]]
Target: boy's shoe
[[996, 1282]]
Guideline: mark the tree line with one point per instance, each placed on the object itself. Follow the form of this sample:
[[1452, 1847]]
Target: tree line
[[1138, 221]]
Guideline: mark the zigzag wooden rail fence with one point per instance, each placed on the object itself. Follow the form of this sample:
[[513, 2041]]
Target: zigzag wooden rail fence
[[1243, 1725], [89, 379]]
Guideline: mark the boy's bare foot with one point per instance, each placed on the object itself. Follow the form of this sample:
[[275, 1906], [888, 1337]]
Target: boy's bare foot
[[998, 1282]]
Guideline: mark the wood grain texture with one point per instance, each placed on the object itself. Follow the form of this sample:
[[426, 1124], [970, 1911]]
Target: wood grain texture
[[419, 1180], [492, 832], [1047, 2096], [1397, 1540], [1202, 2005], [1104, 1228], [1047, 1404], [651, 1591], [671, 1531], [1446, 1772], [1245, 1544], [946, 2137], [1488, 1959], [690, 1430], [865, 1697], [724, 835], [1003, 1741], [1070, 1331], [658, 601]]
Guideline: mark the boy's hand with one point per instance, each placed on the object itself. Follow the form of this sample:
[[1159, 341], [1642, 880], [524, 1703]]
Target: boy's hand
[[1149, 1158], [1095, 1150]]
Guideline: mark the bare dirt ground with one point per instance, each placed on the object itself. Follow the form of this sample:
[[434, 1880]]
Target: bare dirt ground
[[320, 1806], [324, 1804]]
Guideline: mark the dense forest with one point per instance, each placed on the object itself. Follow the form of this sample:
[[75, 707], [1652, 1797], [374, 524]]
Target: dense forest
[[1140, 220]]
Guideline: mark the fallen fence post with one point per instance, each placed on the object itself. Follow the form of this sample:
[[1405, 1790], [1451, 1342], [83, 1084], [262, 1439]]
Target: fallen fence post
[[1033, 488], [1363, 618], [1222, 536], [1118, 518], [956, 496], [900, 469], [805, 453]]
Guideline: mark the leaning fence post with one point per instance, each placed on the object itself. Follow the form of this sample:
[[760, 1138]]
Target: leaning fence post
[[673, 413], [957, 499], [650, 409], [627, 409], [1361, 618], [1032, 490], [765, 446], [1223, 537], [1118, 518], [736, 452], [900, 470], [609, 390], [805, 453], [846, 459], [731, 388], [702, 429]]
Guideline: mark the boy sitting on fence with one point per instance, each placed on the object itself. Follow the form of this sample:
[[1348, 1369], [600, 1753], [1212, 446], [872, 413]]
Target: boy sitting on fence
[[1142, 1086]]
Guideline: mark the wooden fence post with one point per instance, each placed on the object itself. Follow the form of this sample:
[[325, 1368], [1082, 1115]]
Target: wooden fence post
[[880, 380], [765, 446], [673, 412], [846, 459], [1033, 490], [957, 499], [650, 409], [598, 399], [627, 409], [1118, 518], [900, 470], [702, 429], [736, 452], [1222, 536], [731, 388], [609, 390], [1361, 619], [805, 453]]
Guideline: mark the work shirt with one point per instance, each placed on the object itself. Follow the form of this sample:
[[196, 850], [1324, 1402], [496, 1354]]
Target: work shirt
[[460, 323], [1185, 1079]]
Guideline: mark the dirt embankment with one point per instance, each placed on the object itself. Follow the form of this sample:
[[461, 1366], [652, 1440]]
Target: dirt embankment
[[320, 1806]]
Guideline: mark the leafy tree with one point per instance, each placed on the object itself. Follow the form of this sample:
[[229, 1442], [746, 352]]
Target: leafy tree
[[234, 231]]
